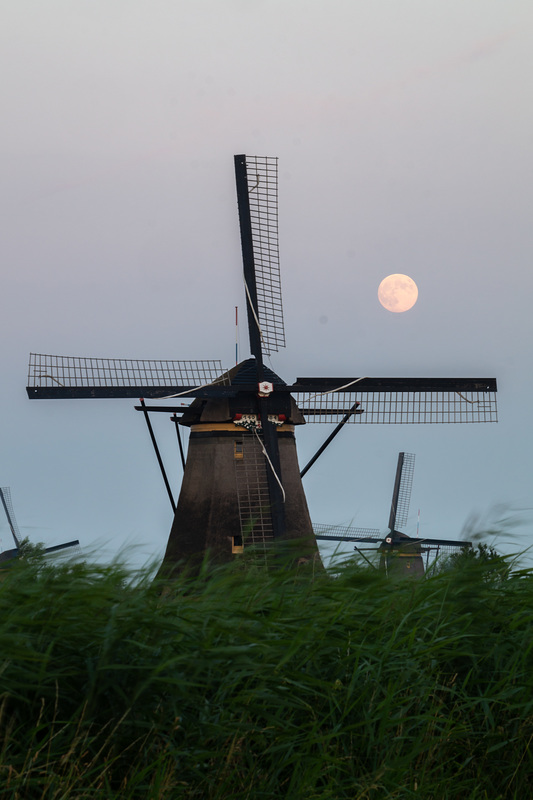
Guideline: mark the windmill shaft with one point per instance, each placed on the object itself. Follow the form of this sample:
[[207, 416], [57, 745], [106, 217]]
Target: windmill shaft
[[103, 392], [339, 538], [394, 385], [430, 542]]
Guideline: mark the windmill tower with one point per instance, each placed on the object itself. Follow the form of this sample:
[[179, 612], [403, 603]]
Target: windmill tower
[[8, 555], [400, 555], [242, 485]]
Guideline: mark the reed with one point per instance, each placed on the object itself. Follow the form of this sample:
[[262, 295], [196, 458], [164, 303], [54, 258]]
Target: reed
[[255, 683]]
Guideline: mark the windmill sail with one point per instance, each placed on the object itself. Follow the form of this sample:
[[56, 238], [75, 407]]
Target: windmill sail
[[257, 194], [52, 376], [395, 401], [343, 533], [401, 495]]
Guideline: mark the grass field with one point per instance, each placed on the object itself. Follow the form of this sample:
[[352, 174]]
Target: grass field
[[247, 683]]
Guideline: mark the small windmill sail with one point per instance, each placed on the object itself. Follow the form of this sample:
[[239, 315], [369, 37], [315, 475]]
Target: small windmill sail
[[7, 555], [401, 494]]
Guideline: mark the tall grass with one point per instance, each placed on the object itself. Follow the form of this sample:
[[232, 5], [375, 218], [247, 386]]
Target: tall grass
[[247, 683]]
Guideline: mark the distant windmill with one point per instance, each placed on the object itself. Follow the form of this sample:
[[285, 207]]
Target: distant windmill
[[399, 553], [241, 484], [7, 555]]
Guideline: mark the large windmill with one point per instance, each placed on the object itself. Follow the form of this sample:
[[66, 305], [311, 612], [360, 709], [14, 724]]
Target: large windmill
[[241, 484], [399, 554], [14, 552]]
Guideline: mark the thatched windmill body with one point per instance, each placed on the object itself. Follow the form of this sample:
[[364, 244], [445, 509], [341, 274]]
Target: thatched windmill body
[[242, 483]]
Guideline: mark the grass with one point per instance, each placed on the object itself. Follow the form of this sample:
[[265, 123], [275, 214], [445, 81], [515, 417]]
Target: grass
[[247, 683]]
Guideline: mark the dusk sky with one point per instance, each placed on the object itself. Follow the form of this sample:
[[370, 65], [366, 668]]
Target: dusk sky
[[404, 134]]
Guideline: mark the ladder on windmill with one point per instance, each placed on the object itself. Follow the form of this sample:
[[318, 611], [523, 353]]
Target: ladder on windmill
[[253, 493]]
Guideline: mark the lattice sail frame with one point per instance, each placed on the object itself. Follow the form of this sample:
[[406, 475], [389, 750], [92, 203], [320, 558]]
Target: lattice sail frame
[[262, 174], [75, 371], [399, 407], [341, 533]]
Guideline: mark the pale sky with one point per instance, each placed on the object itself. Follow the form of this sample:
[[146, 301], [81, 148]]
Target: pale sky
[[403, 132]]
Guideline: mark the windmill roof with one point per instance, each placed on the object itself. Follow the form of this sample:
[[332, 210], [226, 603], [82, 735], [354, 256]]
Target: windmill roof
[[246, 373], [223, 409]]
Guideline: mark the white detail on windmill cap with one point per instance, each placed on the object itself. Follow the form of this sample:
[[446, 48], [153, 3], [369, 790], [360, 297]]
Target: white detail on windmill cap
[[265, 388]]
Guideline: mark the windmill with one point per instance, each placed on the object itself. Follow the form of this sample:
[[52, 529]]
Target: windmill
[[241, 484], [399, 554], [7, 555]]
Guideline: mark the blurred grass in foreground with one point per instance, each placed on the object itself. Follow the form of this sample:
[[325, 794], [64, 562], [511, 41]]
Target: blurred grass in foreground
[[245, 683]]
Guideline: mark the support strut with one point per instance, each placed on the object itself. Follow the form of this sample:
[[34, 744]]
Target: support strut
[[158, 454], [330, 438]]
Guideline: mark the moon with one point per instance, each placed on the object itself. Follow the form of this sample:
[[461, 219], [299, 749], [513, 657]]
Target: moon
[[397, 293]]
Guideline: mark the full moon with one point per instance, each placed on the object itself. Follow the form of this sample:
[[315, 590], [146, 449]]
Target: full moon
[[397, 293]]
